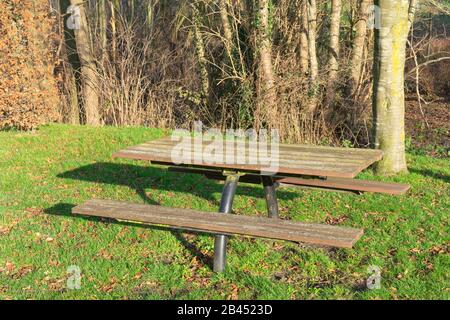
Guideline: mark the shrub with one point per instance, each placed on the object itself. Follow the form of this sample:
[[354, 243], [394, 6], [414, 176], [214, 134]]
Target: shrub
[[28, 92]]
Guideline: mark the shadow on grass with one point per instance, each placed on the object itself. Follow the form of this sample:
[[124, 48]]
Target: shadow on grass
[[140, 178], [431, 174], [65, 210]]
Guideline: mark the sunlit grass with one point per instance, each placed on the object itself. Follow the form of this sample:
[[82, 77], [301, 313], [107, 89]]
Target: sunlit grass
[[43, 174]]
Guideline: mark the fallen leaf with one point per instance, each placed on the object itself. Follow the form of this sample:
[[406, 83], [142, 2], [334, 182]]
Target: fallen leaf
[[137, 276], [335, 220], [22, 271], [10, 266], [34, 211], [234, 293], [438, 250], [109, 286], [4, 230]]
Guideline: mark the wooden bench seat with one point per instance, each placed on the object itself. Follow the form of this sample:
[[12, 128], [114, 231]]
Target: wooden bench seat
[[226, 224], [344, 184]]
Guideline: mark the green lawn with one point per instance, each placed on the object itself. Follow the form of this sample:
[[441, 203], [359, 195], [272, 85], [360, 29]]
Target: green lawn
[[45, 173]]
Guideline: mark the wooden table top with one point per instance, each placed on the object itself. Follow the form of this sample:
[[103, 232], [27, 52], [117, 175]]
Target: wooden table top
[[301, 160]]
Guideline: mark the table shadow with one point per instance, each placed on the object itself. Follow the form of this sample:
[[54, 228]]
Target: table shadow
[[432, 174], [65, 210], [140, 178]]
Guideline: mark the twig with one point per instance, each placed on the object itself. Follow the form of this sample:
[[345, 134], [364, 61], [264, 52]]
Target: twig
[[419, 97], [424, 64]]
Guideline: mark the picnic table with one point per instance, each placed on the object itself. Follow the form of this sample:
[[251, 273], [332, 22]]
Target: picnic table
[[301, 165]]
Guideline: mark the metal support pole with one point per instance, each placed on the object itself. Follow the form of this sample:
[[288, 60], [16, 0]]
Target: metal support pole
[[226, 204], [271, 196]]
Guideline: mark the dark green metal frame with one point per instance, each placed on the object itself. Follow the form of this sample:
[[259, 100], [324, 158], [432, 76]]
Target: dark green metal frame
[[226, 205]]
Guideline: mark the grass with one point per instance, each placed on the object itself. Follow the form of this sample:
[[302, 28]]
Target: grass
[[45, 173]]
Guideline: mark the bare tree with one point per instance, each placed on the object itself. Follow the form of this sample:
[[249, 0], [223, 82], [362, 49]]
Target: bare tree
[[266, 86], [359, 43], [389, 95], [304, 51], [103, 25], [88, 66], [69, 61], [335, 24], [312, 34], [412, 12], [313, 62], [236, 63], [227, 33], [201, 55]]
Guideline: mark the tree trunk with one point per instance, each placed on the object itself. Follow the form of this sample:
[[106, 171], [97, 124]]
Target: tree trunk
[[73, 114], [304, 56], [266, 109], [358, 45], [227, 33], [333, 62], [69, 65], [389, 95], [313, 63], [150, 16], [312, 34], [88, 67], [130, 7], [103, 25], [113, 7], [227, 36], [412, 12], [201, 56]]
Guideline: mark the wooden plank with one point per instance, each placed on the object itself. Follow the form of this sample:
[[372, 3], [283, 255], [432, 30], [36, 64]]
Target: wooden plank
[[291, 147], [302, 170], [222, 223], [330, 184], [293, 160], [333, 152], [349, 184], [286, 157], [337, 164]]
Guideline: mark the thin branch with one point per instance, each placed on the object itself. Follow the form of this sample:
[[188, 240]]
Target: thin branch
[[426, 63], [419, 97]]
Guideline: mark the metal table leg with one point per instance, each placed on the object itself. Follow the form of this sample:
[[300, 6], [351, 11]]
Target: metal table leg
[[220, 243], [271, 196]]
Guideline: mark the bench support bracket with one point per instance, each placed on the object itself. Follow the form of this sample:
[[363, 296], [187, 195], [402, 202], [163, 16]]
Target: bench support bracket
[[271, 196], [226, 205]]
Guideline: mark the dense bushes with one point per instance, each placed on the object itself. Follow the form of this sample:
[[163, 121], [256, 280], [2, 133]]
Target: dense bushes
[[28, 93]]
